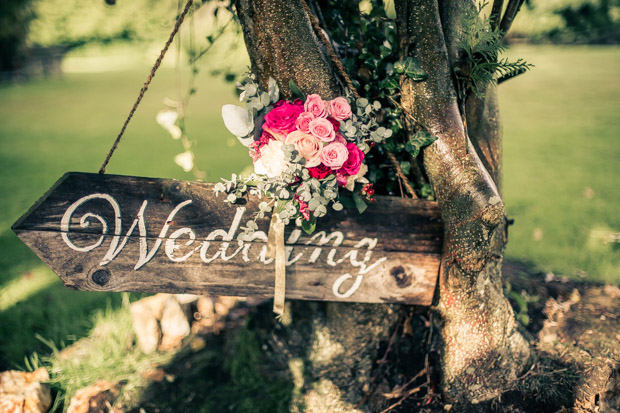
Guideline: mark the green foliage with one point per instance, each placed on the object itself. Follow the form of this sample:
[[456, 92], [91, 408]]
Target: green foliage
[[367, 41], [74, 23], [417, 141], [521, 301], [570, 21], [411, 68], [482, 45], [15, 19]]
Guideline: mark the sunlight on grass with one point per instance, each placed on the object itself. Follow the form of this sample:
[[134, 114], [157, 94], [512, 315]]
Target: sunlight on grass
[[22, 288], [561, 153]]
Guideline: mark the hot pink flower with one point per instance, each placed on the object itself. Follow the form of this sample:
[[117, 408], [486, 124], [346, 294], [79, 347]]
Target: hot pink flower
[[320, 171], [303, 208], [257, 145], [303, 121], [353, 162], [339, 108], [334, 155], [315, 105], [281, 119], [322, 129], [334, 122]]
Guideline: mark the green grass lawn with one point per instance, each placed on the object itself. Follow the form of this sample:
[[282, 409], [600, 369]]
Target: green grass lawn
[[562, 153], [51, 126], [562, 160]]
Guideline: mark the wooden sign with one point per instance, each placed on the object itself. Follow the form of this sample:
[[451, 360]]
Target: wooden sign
[[121, 233]]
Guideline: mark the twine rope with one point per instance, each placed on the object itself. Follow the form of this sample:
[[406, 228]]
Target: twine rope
[[146, 84], [347, 80]]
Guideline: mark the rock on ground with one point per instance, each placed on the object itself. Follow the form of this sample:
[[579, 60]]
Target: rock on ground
[[94, 399], [22, 392]]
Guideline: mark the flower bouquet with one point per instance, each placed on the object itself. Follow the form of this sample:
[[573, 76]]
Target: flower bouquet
[[308, 153]]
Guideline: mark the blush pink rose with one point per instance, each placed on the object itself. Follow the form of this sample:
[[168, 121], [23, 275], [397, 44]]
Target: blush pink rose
[[334, 155], [352, 165], [315, 105], [303, 121], [340, 139], [281, 119], [341, 179], [339, 108], [307, 145], [322, 129]]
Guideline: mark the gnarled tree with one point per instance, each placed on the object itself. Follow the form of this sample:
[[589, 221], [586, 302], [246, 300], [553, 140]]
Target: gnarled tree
[[337, 344]]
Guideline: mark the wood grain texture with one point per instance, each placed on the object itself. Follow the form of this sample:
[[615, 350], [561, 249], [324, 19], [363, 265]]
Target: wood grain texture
[[164, 243]]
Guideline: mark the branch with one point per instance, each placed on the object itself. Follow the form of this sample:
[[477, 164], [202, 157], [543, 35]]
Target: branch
[[496, 13], [509, 15]]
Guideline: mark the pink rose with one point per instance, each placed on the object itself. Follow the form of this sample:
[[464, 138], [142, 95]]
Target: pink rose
[[334, 155], [340, 139], [320, 171], [341, 179], [307, 145], [281, 119], [315, 105], [322, 129], [353, 162], [339, 108], [303, 121]]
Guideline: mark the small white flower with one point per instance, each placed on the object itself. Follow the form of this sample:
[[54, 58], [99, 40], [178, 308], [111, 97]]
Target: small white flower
[[185, 160], [167, 119], [271, 162], [358, 177]]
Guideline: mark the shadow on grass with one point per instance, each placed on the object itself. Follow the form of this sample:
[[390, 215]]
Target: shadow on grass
[[225, 376], [16, 258]]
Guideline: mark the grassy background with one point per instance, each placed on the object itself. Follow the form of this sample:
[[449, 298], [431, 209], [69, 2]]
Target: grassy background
[[562, 153], [562, 159]]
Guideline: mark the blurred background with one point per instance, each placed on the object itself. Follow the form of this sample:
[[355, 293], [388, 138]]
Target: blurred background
[[70, 71]]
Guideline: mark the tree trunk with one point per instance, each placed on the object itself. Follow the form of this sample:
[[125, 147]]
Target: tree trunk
[[335, 345], [481, 350]]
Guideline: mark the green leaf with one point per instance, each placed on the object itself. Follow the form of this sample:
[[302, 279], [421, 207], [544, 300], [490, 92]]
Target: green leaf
[[310, 225], [296, 91], [346, 201], [413, 69], [359, 203]]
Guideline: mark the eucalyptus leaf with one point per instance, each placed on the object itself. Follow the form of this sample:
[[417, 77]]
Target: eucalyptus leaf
[[238, 121], [274, 91]]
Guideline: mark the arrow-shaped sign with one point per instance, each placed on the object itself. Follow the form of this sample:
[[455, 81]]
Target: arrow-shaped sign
[[122, 233]]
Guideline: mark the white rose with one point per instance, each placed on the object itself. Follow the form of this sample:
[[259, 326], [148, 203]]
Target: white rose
[[271, 161]]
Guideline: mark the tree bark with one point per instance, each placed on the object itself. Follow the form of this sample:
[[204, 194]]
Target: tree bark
[[334, 345], [481, 349]]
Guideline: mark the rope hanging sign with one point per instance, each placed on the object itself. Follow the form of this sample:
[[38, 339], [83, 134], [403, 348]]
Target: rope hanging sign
[[104, 232]]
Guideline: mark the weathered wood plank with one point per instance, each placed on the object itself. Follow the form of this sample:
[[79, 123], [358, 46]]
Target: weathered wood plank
[[118, 233]]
